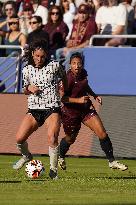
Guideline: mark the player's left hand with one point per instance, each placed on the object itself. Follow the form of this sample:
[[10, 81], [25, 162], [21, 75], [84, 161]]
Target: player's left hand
[[99, 99]]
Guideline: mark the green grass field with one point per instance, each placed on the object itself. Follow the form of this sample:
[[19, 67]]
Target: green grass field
[[87, 181]]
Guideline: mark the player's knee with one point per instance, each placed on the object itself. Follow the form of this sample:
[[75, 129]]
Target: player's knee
[[19, 139], [70, 141], [52, 139], [102, 134], [71, 138]]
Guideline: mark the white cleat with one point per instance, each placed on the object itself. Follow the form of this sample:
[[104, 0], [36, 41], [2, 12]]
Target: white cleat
[[118, 165], [62, 163], [20, 163]]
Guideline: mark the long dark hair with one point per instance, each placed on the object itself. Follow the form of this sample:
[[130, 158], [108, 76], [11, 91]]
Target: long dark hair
[[29, 49], [60, 14]]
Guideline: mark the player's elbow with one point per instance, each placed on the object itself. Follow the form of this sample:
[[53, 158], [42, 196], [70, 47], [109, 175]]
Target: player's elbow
[[25, 91]]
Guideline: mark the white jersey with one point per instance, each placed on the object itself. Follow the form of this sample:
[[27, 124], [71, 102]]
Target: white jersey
[[111, 17], [46, 79]]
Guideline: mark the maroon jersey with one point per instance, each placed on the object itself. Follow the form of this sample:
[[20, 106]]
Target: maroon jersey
[[77, 87]]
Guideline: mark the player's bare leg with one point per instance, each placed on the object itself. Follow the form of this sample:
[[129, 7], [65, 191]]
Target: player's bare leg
[[27, 127], [96, 125]]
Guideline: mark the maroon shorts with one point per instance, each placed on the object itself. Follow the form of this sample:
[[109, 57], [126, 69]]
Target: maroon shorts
[[72, 124]]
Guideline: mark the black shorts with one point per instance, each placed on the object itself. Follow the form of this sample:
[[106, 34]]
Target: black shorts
[[41, 115]]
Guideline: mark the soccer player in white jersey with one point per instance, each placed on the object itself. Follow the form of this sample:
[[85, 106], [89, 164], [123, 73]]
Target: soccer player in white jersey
[[40, 83]]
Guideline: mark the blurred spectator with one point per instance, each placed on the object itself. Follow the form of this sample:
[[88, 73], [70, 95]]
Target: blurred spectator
[[25, 17], [1, 19], [56, 28], [40, 10], [131, 15], [134, 6], [9, 9], [83, 28], [79, 2], [44, 3], [133, 3], [1, 12], [19, 4], [111, 19], [97, 4], [91, 6], [37, 30], [53, 2], [13, 36], [68, 10]]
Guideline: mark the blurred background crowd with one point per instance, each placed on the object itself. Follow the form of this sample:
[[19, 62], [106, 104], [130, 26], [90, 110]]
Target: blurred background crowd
[[66, 25]]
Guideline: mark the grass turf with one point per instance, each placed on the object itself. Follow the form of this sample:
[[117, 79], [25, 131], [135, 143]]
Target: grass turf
[[86, 181]]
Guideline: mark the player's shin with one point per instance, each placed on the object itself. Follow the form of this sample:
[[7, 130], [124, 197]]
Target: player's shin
[[23, 148], [53, 153], [106, 146], [64, 147]]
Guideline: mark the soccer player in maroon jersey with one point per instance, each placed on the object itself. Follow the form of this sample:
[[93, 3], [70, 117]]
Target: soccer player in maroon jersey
[[78, 108]]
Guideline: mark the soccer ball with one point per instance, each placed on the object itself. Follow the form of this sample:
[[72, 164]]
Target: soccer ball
[[34, 169]]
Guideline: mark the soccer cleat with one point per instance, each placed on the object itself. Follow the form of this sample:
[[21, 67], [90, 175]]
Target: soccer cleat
[[118, 165], [53, 174], [20, 163], [62, 163]]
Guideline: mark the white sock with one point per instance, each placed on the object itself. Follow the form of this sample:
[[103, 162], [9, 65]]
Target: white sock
[[23, 148], [53, 153]]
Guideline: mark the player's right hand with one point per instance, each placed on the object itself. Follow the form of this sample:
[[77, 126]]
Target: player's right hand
[[33, 89], [84, 99]]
